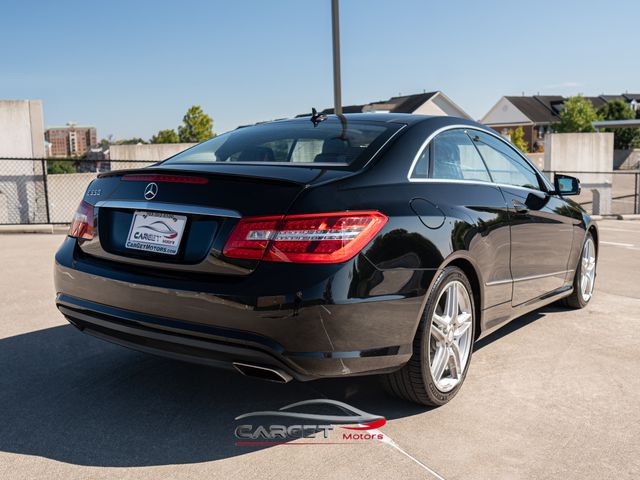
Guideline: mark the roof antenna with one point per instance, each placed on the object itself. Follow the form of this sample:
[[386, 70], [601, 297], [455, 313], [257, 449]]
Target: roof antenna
[[344, 123], [316, 117]]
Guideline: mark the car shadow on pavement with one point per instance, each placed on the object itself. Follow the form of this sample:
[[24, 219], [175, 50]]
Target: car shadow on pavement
[[515, 325], [72, 398]]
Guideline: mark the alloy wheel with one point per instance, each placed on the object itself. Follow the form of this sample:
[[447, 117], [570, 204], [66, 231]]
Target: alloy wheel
[[450, 336], [588, 269]]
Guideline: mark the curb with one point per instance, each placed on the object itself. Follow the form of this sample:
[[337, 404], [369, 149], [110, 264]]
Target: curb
[[34, 228], [26, 228], [630, 216]]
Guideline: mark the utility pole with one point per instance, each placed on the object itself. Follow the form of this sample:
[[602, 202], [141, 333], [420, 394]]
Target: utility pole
[[335, 28]]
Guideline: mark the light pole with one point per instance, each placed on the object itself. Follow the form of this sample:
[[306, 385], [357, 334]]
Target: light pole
[[335, 28]]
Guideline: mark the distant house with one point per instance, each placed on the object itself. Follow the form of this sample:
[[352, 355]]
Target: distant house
[[633, 99], [537, 113], [431, 103], [534, 114]]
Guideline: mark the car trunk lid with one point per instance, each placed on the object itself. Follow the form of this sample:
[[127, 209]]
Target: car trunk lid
[[178, 219]]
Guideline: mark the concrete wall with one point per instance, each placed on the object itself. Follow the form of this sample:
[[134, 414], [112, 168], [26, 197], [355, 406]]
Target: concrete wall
[[537, 159], [21, 129], [626, 159], [21, 136], [143, 155], [65, 192], [584, 153]]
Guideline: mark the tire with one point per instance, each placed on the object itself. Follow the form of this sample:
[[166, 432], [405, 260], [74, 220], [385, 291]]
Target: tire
[[578, 299], [415, 381]]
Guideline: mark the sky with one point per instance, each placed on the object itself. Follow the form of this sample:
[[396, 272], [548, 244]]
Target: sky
[[131, 68]]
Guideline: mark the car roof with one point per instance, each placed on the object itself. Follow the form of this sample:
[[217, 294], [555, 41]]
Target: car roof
[[407, 118], [383, 117]]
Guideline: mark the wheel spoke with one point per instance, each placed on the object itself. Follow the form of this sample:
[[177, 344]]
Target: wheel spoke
[[463, 317], [455, 360], [441, 321], [451, 307], [441, 360], [438, 334], [462, 327]]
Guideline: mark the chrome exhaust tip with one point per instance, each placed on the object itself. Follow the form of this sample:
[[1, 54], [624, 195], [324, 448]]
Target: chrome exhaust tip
[[263, 373]]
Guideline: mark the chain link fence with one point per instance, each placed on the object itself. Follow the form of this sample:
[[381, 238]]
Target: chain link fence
[[48, 190]]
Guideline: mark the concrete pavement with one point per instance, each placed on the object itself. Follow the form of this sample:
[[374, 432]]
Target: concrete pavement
[[552, 395]]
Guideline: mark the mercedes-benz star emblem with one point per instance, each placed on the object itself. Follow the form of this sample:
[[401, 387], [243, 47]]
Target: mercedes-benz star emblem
[[151, 191]]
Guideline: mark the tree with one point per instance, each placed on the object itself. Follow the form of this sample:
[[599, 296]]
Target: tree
[[623, 138], [197, 126], [517, 138], [105, 142], [61, 166], [131, 141], [576, 117], [165, 136]]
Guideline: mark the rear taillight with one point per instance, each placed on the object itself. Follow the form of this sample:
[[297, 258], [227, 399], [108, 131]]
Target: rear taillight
[[316, 238], [82, 223], [250, 237]]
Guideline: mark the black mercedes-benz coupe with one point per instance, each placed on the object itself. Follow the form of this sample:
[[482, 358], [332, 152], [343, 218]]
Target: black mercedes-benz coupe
[[327, 247]]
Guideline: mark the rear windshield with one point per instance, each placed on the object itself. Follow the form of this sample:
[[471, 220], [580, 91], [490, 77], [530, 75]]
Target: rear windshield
[[296, 142]]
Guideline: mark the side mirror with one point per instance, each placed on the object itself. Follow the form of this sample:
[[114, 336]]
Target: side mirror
[[566, 185]]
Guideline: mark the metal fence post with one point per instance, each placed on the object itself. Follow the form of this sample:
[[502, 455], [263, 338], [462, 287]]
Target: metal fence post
[[46, 189], [636, 204]]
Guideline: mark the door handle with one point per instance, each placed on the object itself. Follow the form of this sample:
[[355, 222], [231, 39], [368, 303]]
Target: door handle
[[520, 207]]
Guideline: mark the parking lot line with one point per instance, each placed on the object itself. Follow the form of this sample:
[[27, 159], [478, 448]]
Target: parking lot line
[[389, 441], [618, 244], [611, 229]]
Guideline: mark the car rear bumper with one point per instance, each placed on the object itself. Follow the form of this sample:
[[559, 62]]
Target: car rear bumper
[[302, 332]]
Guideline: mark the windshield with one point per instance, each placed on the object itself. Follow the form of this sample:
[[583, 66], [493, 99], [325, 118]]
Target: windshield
[[296, 142]]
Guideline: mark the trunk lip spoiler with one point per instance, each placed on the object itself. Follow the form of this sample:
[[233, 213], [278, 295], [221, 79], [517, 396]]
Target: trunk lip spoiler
[[169, 207], [205, 173]]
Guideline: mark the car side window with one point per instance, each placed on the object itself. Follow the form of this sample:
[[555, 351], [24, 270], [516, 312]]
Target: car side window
[[455, 157], [421, 169], [505, 165]]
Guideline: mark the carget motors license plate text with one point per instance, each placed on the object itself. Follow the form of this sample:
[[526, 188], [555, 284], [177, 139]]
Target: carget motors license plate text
[[156, 232]]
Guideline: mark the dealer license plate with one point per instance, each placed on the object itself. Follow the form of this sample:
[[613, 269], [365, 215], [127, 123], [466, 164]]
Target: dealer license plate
[[156, 232]]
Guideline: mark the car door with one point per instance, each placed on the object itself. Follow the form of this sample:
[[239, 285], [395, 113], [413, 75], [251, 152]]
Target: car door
[[541, 236], [461, 187]]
